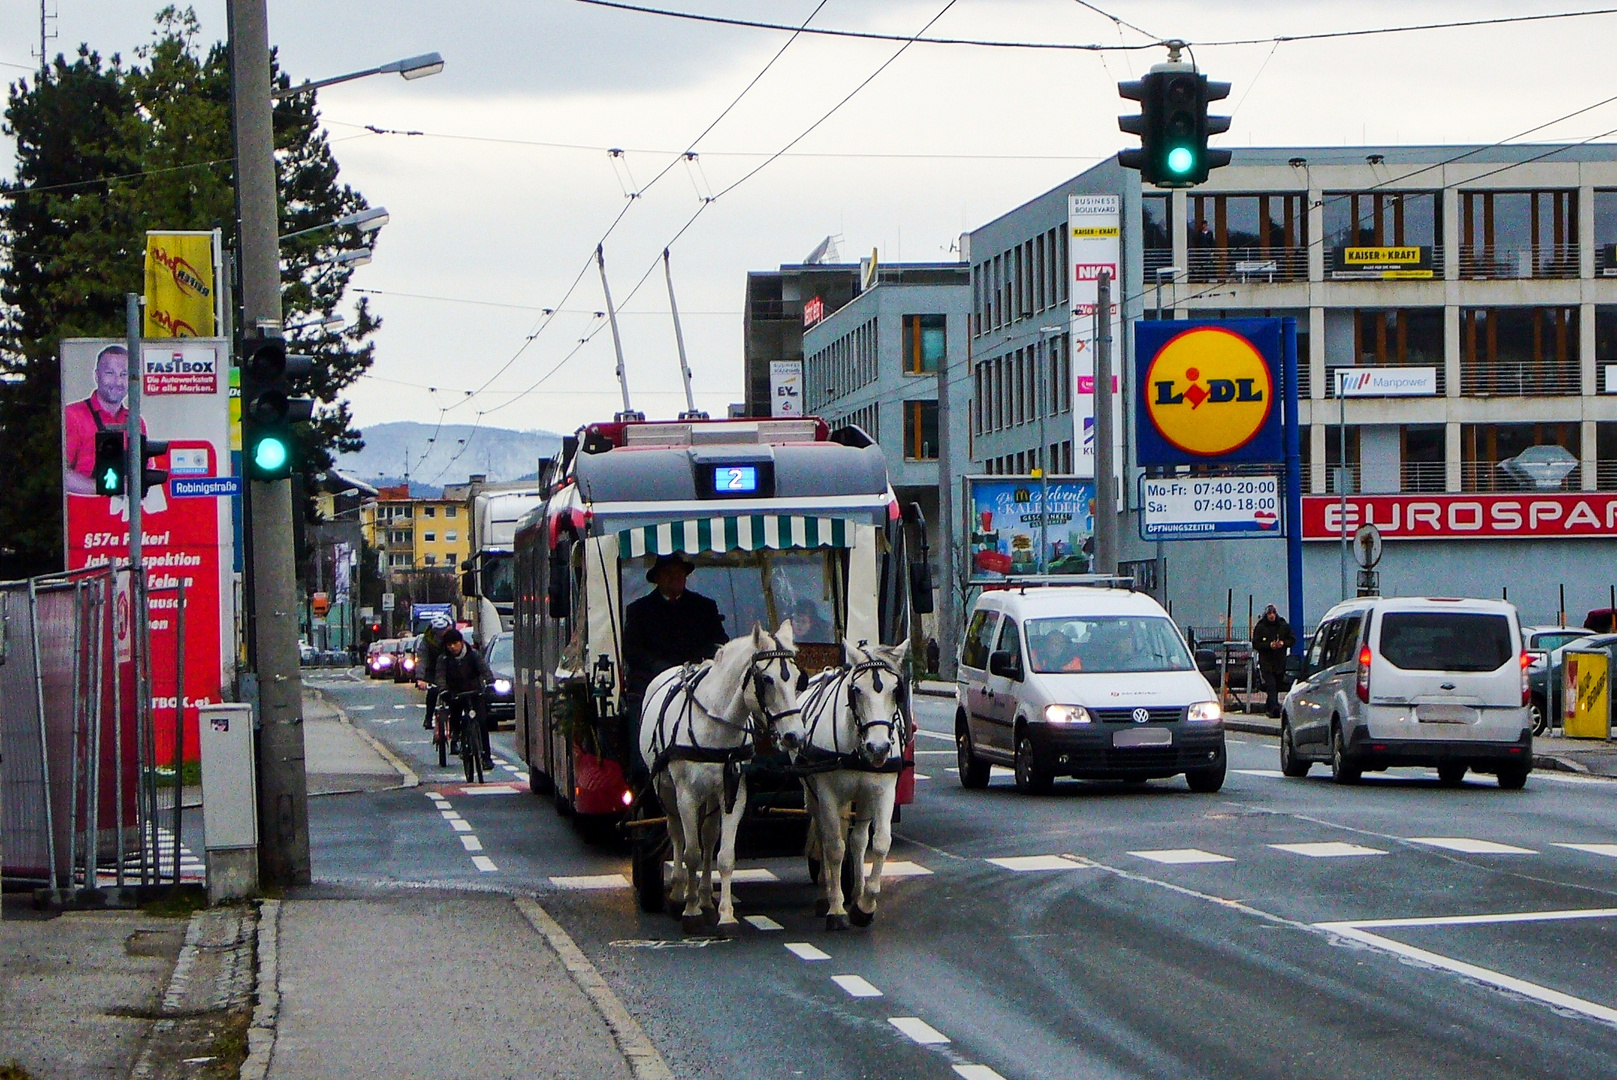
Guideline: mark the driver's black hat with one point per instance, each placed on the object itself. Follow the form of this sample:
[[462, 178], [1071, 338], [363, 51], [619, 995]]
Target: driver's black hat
[[669, 560]]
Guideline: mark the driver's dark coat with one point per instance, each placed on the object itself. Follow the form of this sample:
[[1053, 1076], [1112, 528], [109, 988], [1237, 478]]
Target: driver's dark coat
[[659, 633]]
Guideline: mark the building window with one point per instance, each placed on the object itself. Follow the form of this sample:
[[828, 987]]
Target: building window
[[432, 560], [1421, 461], [429, 537], [1526, 351], [1486, 451], [449, 511], [1156, 233], [450, 537], [1518, 234], [925, 338], [920, 430], [1249, 237], [1383, 219], [429, 511], [1605, 349]]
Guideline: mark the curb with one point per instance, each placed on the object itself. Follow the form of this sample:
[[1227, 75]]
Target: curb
[[267, 991], [642, 1056], [409, 779], [1251, 727], [146, 1064]]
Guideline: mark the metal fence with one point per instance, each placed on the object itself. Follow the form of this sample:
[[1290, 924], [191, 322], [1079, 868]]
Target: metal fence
[[83, 803]]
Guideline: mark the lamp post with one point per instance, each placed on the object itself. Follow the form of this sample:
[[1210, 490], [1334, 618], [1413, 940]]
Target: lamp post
[[1045, 333], [412, 67], [1164, 273]]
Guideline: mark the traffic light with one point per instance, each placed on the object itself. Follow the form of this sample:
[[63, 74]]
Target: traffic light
[[268, 409], [112, 463], [1173, 125]]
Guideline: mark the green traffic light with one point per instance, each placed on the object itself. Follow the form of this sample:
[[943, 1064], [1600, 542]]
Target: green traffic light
[[1181, 160], [110, 480], [270, 455]]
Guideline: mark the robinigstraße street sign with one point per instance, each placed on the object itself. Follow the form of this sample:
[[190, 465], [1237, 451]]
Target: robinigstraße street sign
[[1209, 507]]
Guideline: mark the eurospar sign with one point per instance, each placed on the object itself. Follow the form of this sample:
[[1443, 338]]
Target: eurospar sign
[[1207, 391], [1515, 516]]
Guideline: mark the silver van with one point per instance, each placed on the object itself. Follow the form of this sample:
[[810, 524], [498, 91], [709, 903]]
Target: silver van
[[1084, 681], [1434, 682]]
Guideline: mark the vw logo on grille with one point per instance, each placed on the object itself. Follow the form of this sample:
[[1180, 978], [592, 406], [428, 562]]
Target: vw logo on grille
[[1141, 715]]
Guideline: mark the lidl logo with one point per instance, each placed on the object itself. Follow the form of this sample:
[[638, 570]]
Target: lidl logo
[[1207, 391]]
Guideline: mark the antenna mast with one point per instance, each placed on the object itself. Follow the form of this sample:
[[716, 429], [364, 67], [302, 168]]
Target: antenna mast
[[628, 412], [691, 411]]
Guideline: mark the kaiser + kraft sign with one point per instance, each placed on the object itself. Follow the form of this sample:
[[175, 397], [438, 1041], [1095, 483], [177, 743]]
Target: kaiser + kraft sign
[[1207, 391]]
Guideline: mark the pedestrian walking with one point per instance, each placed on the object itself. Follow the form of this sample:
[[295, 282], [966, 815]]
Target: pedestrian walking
[[1272, 640]]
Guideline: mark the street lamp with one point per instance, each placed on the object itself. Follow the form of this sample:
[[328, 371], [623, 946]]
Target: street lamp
[[366, 221], [332, 323], [413, 67], [1045, 333], [356, 257], [1164, 273]]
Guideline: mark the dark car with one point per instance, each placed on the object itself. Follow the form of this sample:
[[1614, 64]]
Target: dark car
[[500, 703], [383, 657]]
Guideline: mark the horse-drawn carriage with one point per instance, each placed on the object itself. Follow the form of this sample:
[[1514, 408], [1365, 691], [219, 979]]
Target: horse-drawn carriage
[[796, 535]]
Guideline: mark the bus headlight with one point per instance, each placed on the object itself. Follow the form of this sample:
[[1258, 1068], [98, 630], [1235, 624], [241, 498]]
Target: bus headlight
[[1066, 714], [1205, 712]]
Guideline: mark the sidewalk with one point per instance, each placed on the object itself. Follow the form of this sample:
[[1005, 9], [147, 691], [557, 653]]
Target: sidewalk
[[339, 758]]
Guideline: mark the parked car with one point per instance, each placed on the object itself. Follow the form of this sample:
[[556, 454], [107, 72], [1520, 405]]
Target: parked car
[[1434, 682], [1543, 643], [307, 654], [499, 699], [1084, 681]]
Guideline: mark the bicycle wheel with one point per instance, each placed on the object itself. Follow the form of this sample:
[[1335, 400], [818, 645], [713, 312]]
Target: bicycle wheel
[[440, 739], [471, 746]]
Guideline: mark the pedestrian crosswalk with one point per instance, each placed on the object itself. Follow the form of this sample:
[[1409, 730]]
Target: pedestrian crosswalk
[[191, 867]]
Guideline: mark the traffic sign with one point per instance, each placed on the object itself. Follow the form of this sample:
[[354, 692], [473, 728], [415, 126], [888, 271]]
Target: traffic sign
[[1367, 546], [204, 487], [1209, 507], [387, 601]]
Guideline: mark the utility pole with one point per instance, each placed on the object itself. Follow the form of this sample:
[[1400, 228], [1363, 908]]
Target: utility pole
[[282, 792], [944, 623], [1105, 478]]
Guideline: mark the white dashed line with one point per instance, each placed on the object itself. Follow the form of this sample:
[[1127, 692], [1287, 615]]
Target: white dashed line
[[897, 868], [450, 815], [804, 951], [470, 843], [591, 881], [1467, 846], [977, 1072], [856, 986], [1608, 850], [919, 1030], [484, 864], [488, 789], [401, 706], [1273, 774], [935, 735], [1331, 850], [461, 826], [922, 776], [1023, 863], [762, 922], [1181, 856]]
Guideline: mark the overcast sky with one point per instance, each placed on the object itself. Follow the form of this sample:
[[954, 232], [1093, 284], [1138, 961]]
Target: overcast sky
[[488, 227]]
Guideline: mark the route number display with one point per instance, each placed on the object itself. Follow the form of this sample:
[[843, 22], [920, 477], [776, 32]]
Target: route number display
[[1209, 507]]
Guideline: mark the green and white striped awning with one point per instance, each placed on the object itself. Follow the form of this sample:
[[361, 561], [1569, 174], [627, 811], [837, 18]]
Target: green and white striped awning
[[751, 533]]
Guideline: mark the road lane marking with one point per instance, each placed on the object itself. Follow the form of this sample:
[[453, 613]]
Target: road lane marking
[[922, 776], [856, 986], [897, 868], [804, 951], [401, 706], [1608, 850], [977, 1072], [591, 881], [762, 922], [934, 735], [488, 789], [1334, 849], [1356, 931], [919, 1030], [484, 864], [469, 842], [1467, 846], [461, 826], [1023, 863], [919, 752], [1181, 856], [745, 873], [450, 815], [361, 708], [1274, 774]]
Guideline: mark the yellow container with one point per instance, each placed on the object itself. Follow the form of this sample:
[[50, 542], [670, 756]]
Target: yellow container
[[1586, 690]]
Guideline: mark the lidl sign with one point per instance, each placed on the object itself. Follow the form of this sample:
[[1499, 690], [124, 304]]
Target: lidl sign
[[1208, 391]]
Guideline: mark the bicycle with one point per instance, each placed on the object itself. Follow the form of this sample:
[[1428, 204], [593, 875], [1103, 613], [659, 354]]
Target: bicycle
[[471, 734], [441, 733]]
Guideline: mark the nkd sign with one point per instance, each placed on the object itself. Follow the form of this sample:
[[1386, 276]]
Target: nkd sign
[[1208, 391], [1552, 515]]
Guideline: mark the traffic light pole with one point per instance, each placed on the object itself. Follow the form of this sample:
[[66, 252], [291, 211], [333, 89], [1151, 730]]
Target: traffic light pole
[[282, 790]]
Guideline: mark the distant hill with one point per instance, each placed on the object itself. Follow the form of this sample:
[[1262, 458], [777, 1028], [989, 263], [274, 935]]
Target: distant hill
[[435, 456]]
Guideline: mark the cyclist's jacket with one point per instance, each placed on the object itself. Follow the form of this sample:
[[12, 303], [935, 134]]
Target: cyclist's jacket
[[468, 671], [427, 651]]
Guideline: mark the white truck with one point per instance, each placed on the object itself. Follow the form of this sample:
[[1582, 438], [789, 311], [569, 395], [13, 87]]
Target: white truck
[[487, 579]]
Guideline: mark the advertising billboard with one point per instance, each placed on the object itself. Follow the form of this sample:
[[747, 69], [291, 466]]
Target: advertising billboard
[[1207, 391], [1002, 526], [1209, 507], [186, 522], [1385, 381], [786, 388], [1094, 244]]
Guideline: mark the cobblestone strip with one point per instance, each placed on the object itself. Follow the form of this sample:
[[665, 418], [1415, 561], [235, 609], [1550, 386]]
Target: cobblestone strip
[[212, 974], [267, 1007]]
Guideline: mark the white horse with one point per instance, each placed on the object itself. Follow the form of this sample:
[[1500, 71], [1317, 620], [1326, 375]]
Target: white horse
[[698, 724], [855, 738]]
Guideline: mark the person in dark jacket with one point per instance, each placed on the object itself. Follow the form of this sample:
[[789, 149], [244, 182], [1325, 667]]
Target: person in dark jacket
[[427, 651], [1272, 639], [669, 626], [462, 669]]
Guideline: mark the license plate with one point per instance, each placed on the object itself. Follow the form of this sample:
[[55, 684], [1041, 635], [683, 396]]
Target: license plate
[[1445, 714], [1143, 737]]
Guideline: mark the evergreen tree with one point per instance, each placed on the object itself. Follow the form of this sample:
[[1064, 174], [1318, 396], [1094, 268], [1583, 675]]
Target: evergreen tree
[[104, 153]]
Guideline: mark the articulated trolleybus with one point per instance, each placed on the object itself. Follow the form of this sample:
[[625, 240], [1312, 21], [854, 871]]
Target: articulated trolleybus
[[784, 520]]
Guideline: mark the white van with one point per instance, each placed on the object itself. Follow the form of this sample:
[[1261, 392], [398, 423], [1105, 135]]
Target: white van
[[1087, 681], [1407, 681]]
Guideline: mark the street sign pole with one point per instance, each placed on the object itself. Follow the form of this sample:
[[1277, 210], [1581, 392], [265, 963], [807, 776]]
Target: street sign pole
[[282, 789], [1294, 486], [1105, 478]]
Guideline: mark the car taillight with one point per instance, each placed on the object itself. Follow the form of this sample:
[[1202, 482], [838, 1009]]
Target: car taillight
[[1527, 691], [1364, 674]]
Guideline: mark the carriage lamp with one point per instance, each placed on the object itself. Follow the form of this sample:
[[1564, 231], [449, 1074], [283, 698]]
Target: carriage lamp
[[1205, 712], [1066, 714], [502, 686]]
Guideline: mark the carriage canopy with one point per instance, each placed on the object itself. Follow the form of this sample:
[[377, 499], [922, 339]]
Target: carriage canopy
[[720, 534]]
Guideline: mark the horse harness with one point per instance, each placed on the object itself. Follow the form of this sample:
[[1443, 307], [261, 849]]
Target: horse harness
[[815, 760]]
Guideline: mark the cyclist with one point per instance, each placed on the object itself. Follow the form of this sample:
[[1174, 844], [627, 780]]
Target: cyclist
[[462, 669], [427, 652]]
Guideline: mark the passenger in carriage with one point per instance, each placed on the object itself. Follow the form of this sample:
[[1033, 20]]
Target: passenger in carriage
[[808, 625], [669, 626]]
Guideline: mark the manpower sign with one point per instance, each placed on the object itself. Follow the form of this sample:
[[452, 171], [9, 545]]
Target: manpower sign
[[1516, 516]]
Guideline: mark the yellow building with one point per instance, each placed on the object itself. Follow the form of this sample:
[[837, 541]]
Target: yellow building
[[414, 534]]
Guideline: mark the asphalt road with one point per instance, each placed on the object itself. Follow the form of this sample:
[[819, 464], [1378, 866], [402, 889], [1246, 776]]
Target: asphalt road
[[1100, 931]]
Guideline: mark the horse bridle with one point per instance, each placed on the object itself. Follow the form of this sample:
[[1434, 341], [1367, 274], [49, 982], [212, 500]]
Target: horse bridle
[[756, 676], [894, 723]]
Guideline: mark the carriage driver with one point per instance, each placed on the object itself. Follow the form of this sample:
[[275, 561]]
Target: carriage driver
[[669, 626]]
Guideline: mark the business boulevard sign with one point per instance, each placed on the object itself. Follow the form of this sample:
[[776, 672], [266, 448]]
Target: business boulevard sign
[[1522, 515]]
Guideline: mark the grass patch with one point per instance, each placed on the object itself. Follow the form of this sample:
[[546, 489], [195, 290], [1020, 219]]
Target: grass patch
[[229, 1047], [190, 774], [14, 1071], [178, 904]]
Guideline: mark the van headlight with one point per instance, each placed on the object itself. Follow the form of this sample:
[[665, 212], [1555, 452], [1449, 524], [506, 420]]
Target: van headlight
[[1205, 712], [502, 686], [1066, 714]]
